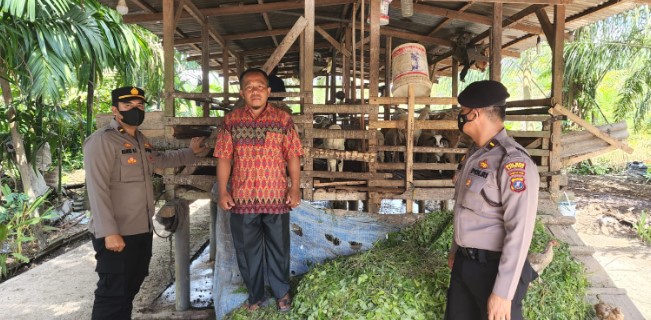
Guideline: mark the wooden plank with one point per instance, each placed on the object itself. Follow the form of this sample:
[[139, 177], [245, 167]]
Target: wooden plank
[[594, 130], [346, 175], [338, 183], [437, 124], [546, 25], [512, 1], [496, 43], [614, 129], [557, 55], [340, 154], [192, 121], [320, 195], [288, 40], [566, 162], [537, 118], [418, 100], [338, 134], [190, 195], [274, 32], [417, 166], [332, 41], [339, 108], [528, 134], [374, 47], [545, 102], [409, 155]]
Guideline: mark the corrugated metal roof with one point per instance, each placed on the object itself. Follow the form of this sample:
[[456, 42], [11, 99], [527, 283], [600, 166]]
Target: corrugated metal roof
[[447, 21]]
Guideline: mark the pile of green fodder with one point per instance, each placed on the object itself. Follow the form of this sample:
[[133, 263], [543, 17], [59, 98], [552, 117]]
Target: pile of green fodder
[[406, 276]]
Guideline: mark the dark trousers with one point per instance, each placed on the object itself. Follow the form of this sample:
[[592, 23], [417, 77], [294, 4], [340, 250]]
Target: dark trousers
[[262, 246], [471, 283], [120, 276]]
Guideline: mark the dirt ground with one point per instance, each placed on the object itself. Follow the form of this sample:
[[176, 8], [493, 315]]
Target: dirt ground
[[607, 208], [61, 287]]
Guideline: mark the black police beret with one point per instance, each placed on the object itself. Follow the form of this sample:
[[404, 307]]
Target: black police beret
[[127, 94], [483, 94]]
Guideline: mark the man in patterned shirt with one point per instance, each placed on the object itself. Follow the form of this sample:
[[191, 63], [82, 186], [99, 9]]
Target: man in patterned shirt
[[259, 144]]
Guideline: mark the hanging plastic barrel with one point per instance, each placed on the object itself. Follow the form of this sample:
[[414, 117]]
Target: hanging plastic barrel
[[409, 66]]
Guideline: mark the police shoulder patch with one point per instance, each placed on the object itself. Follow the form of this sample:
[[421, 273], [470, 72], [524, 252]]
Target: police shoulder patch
[[517, 184], [513, 165]]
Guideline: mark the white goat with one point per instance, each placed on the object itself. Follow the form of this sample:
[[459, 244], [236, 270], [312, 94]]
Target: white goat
[[331, 143]]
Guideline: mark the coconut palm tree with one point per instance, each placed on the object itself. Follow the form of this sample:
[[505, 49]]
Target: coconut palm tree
[[621, 42], [51, 48]]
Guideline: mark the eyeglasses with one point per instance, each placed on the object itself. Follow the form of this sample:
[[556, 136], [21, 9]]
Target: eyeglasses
[[255, 88]]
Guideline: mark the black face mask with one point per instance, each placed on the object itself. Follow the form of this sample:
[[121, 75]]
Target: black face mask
[[462, 119], [133, 117]]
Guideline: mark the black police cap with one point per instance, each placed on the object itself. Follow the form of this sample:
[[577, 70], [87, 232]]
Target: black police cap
[[127, 94], [483, 94]]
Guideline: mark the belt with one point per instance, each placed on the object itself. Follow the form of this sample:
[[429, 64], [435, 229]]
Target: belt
[[480, 255]]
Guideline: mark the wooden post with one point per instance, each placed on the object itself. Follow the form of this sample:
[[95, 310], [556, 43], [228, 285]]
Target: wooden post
[[168, 56], [362, 33], [557, 98], [387, 75], [455, 77], [346, 65], [353, 50], [307, 48], [333, 77], [496, 43], [205, 66], [226, 70], [168, 80], [409, 154], [372, 205]]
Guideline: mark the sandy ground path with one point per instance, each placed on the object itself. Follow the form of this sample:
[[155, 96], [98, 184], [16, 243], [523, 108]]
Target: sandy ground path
[[62, 288]]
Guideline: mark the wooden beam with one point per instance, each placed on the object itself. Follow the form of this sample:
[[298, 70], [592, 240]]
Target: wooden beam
[[332, 40], [287, 42], [274, 32], [594, 130], [465, 16], [265, 17], [205, 64], [510, 1], [237, 10], [496, 43], [308, 68], [388, 32], [168, 56], [557, 55], [505, 23], [374, 48], [546, 25]]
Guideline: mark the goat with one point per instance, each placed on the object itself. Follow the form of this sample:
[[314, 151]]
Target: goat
[[397, 137], [324, 122]]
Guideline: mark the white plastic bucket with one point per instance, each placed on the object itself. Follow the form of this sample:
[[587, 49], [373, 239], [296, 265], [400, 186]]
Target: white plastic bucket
[[567, 207], [409, 66]]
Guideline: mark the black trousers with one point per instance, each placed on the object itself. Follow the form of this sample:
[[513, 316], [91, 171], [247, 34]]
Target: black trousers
[[120, 276], [471, 283], [262, 246]]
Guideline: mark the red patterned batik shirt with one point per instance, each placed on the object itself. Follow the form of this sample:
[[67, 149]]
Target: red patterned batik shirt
[[260, 148]]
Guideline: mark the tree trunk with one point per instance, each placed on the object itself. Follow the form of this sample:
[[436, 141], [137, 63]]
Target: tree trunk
[[33, 182]]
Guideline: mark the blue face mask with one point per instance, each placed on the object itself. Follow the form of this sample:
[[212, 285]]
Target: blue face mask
[[462, 119]]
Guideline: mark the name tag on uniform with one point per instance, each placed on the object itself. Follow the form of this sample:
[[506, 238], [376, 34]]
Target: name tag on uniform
[[127, 151], [480, 173]]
